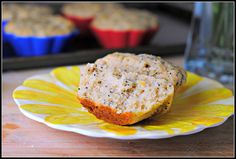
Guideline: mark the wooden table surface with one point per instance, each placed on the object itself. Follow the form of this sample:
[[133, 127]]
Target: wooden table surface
[[22, 136]]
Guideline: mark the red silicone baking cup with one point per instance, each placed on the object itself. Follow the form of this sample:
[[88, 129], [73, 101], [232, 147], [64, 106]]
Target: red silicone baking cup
[[83, 24], [121, 39]]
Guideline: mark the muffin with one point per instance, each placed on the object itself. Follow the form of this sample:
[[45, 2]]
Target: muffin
[[124, 27], [11, 11], [82, 14], [18, 11], [41, 27], [123, 88], [126, 19], [37, 36]]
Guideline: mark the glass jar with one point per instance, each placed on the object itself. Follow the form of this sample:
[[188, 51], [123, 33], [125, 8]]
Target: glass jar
[[210, 44]]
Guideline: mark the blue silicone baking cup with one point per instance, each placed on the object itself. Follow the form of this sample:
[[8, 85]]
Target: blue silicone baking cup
[[4, 36], [38, 46]]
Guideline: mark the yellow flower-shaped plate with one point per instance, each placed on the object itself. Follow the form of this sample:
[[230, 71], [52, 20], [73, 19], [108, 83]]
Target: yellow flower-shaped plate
[[51, 99]]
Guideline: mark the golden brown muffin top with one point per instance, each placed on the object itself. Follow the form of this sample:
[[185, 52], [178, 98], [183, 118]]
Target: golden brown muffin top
[[88, 10], [12, 11], [44, 26], [126, 19]]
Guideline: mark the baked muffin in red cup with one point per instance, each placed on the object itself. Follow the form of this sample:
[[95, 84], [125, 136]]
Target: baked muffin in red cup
[[82, 14], [124, 28]]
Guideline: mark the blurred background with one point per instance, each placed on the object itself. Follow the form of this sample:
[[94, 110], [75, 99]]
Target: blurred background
[[173, 18], [201, 32]]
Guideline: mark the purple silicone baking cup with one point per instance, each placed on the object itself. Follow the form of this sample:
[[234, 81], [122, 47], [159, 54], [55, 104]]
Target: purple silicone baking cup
[[4, 37], [38, 46]]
